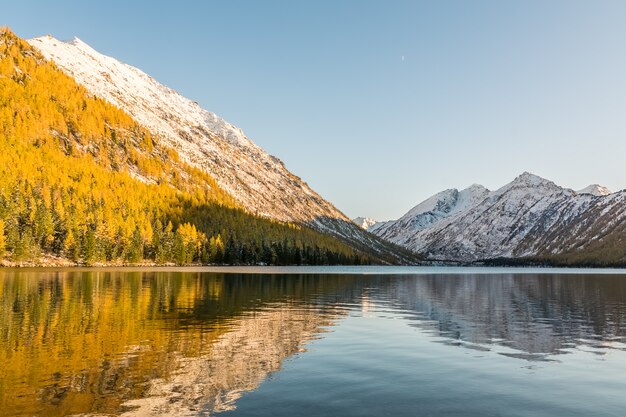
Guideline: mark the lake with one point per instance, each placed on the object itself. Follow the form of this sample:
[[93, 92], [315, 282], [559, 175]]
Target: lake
[[318, 341]]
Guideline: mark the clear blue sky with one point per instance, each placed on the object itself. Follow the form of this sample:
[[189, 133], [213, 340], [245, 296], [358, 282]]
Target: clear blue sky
[[485, 91]]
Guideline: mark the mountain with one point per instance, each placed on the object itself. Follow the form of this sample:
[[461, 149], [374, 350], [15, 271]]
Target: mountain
[[445, 204], [595, 189], [364, 222], [81, 179], [256, 179], [529, 218], [260, 183]]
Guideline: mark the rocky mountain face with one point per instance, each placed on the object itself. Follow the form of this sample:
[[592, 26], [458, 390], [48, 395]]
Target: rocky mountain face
[[429, 212], [531, 217], [257, 180], [364, 222]]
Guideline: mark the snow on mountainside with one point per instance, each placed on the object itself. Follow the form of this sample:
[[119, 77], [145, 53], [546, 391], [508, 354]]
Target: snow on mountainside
[[530, 216], [445, 204], [259, 181], [364, 222], [595, 189]]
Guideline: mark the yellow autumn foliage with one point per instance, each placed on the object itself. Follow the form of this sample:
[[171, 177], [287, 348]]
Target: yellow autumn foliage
[[80, 178]]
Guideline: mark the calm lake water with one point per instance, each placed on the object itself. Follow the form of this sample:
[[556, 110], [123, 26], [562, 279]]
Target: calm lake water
[[313, 342]]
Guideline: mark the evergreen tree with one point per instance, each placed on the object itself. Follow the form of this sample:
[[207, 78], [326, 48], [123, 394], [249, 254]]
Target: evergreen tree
[[71, 246], [26, 248], [180, 252], [90, 247], [157, 243], [43, 227], [135, 251], [2, 239]]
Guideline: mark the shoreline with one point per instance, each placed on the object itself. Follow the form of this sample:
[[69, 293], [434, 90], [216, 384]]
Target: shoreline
[[327, 269]]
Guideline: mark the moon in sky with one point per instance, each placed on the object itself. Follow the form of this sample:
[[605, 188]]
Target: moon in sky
[[402, 57]]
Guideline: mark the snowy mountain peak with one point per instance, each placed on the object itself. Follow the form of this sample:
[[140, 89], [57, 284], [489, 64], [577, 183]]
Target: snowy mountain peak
[[450, 201], [84, 47], [528, 182], [530, 179], [364, 222], [440, 207], [433, 203], [474, 192], [136, 92], [77, 42], [530, 216], [259, 181], [595, 189]]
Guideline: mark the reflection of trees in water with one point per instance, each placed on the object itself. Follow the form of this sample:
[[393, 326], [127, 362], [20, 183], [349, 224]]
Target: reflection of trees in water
[[530, 313], [78, 342], [179, 343], [237, 362]]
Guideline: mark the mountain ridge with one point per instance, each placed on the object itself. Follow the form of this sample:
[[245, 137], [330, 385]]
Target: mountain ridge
[[364, 222], [260, 183], [530, 217], [82, 182], [595, 189]]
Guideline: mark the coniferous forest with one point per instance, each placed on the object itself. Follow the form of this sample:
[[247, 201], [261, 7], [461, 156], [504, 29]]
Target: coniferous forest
[[80, 179]]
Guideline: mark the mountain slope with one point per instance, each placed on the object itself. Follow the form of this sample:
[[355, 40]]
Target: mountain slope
[[256, 179], [80, 179], [445, 204], [259, 182], [530, 217], [364, 222]]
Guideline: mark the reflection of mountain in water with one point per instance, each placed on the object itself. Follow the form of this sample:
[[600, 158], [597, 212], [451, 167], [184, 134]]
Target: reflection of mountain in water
[[149, 343], [534, 314], [171, 343], [238, 361]]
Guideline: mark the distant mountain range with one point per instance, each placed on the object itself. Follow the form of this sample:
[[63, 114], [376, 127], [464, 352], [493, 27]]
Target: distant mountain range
[[530, 219], [100, 163]]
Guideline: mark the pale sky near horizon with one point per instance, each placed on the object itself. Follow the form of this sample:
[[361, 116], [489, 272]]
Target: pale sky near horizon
[[380, 104]]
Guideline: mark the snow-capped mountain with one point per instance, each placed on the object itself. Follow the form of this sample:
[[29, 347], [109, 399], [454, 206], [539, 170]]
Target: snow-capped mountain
[[595, 189], [530, 216], [364, 222], [445, 204], [259, 181]]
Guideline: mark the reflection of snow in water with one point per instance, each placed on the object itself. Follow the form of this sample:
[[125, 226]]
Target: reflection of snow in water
[[527, 317], [196, 344], [237, 362]]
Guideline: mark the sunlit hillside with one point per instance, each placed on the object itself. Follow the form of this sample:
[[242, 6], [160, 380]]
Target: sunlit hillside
[[80, 179]]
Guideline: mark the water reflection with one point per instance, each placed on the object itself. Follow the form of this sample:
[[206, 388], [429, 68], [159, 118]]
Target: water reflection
[[535, 315], [164, 343], [181, 343]]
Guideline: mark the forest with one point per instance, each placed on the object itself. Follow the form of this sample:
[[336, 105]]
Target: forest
[[80, 179]]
